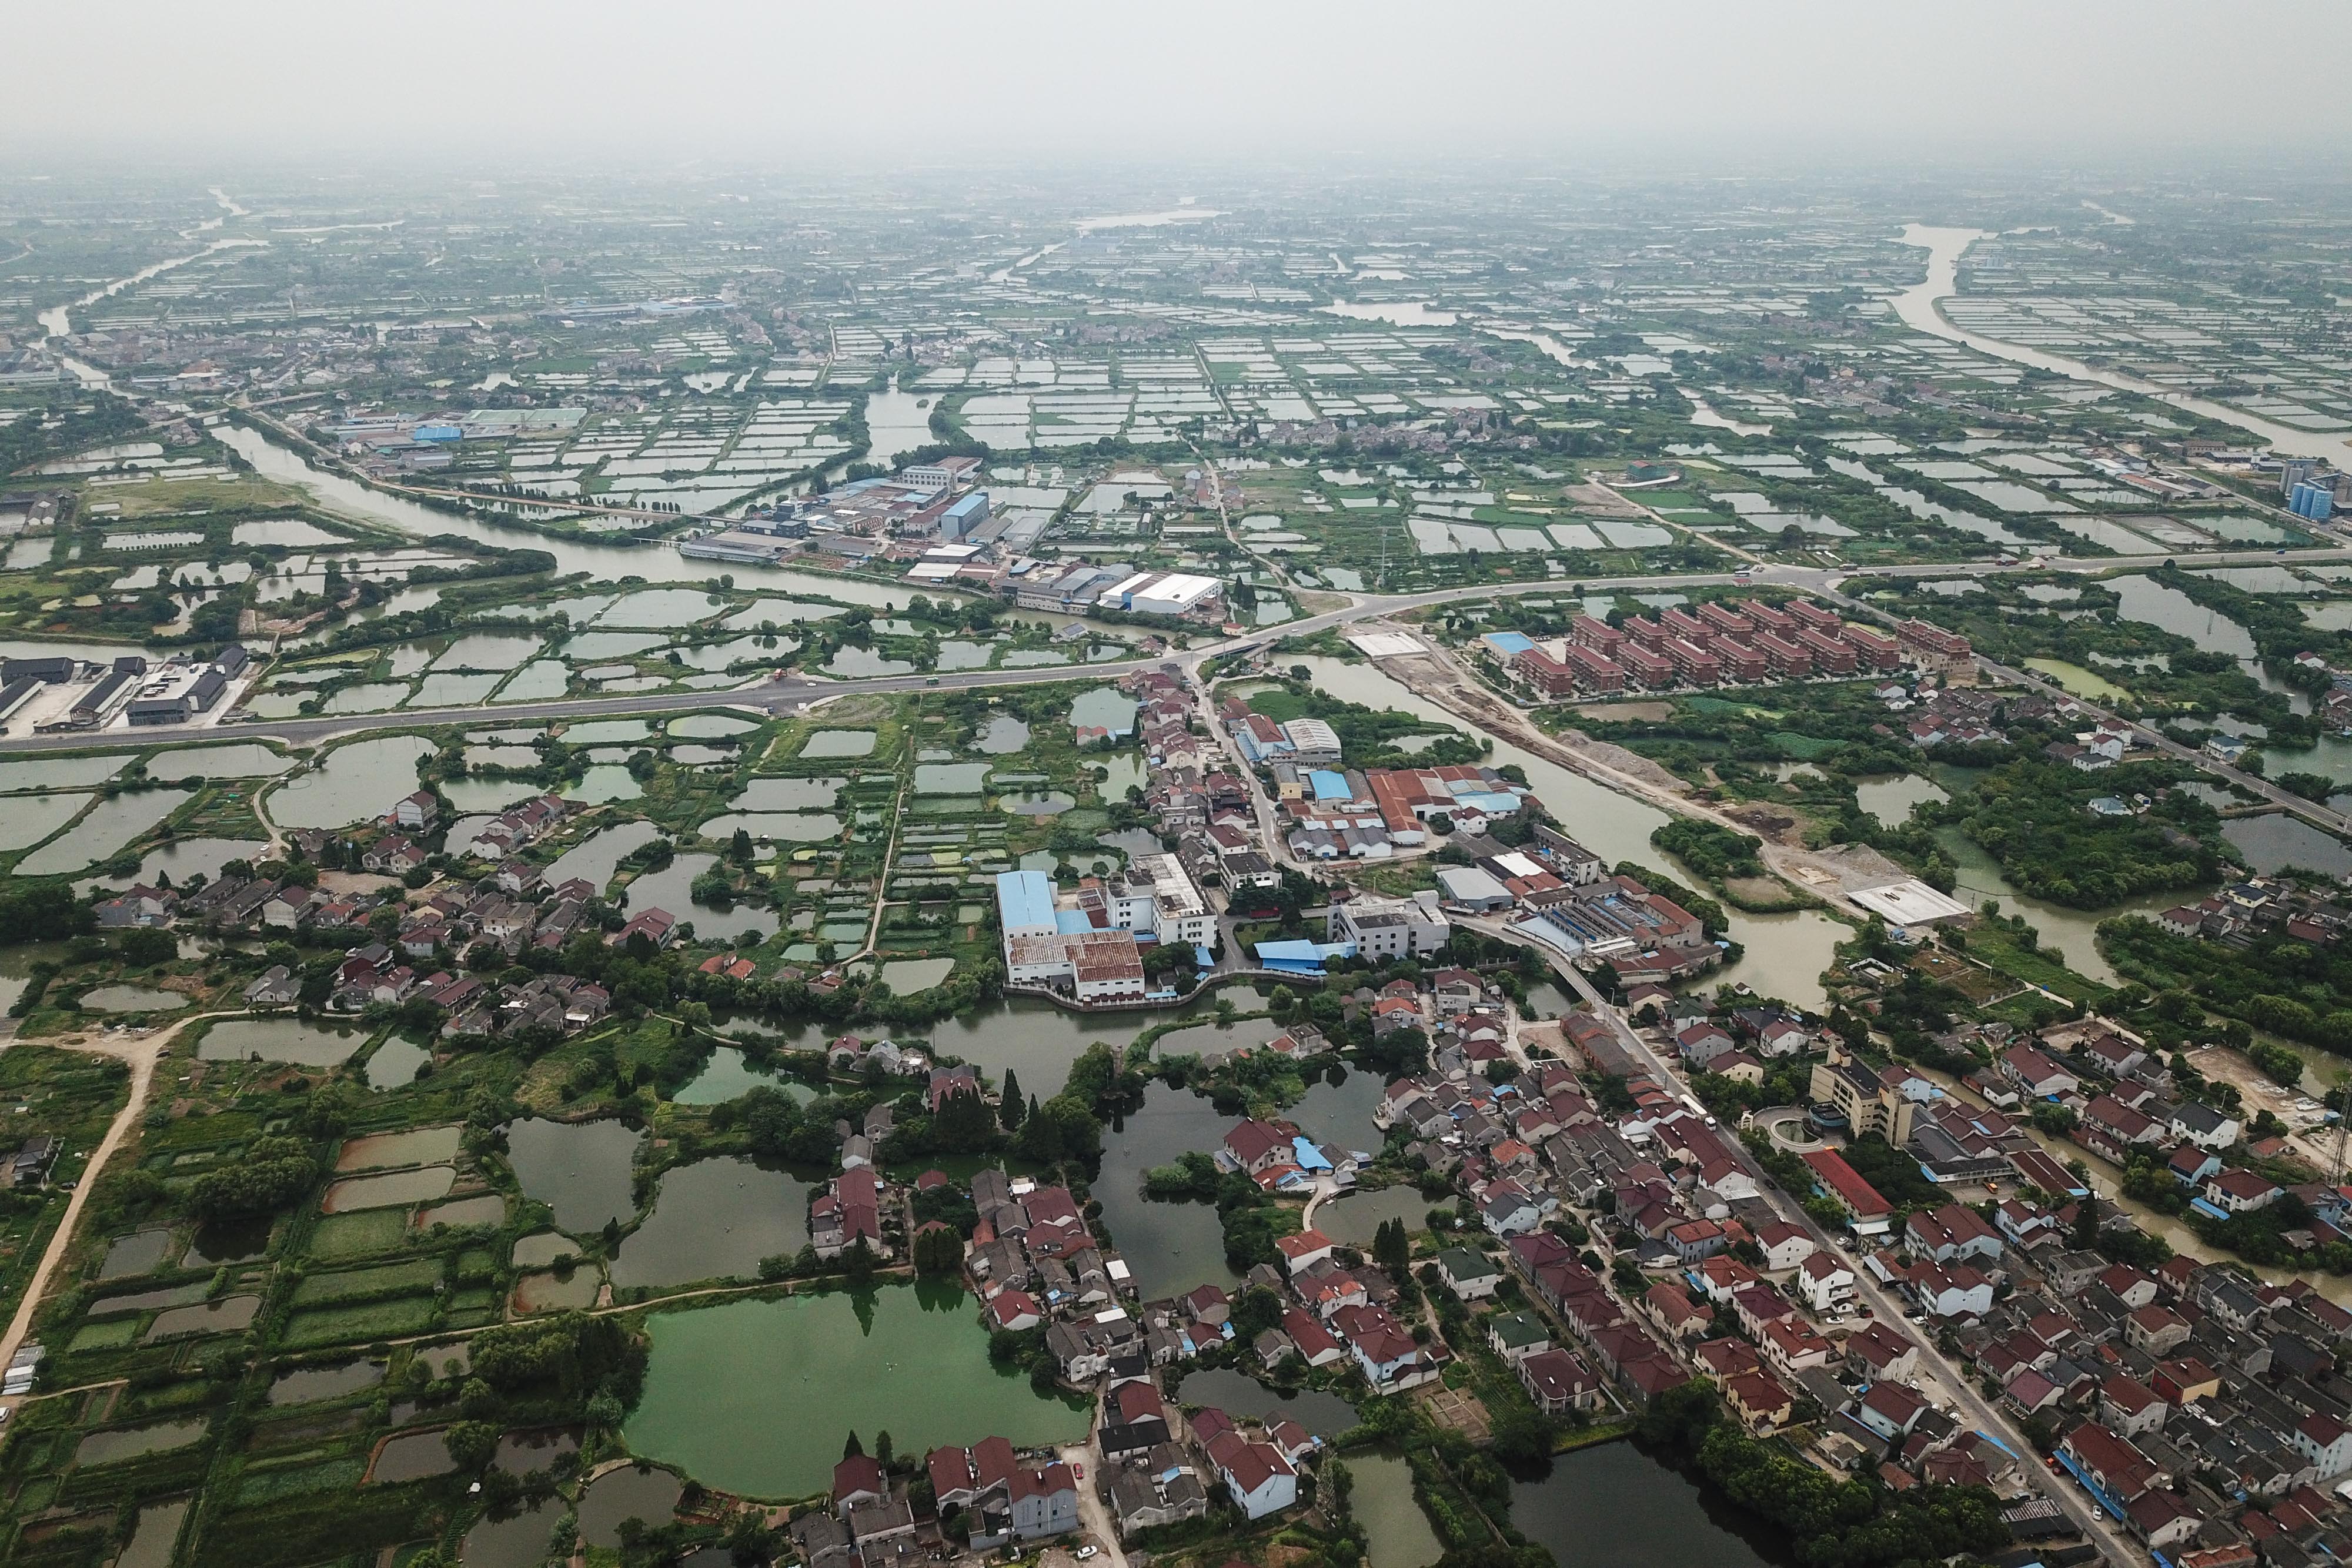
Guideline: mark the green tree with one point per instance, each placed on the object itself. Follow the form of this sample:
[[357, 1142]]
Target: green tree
[[938, 1250], [1011, 1108]]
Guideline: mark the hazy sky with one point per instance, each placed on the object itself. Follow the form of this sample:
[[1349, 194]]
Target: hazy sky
[[1685, 83]]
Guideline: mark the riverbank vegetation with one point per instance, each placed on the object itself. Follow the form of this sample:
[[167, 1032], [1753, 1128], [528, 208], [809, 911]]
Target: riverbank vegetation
[[1831, 1523]]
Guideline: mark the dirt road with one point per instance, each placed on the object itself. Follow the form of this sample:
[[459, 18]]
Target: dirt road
[[141, 1053]]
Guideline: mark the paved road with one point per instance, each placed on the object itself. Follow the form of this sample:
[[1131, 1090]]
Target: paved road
[[1086, 1459], [782, 695], [1949, 1379]]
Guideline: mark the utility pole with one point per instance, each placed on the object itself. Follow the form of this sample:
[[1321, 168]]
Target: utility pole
[[2342, 1076]]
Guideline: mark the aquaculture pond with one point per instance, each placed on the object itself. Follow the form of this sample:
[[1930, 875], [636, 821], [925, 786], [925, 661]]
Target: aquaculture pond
[[715, 1219], [357, 781], [909, 1359], [905, 975], [1397, 1533], [580, 1169], [594, 859], [730, 1075], [671, 888], [709, 725], [183, 858], [293, 1042], [1612, 1506], [103, 829], [250, 760], [1238, 1393], [2275, 839], [305, 1384], [1038, 1040], [624, 1494], [394, 1064], [1170, 1247]]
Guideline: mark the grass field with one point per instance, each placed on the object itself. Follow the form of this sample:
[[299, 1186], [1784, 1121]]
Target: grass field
[[345, 1325], [360, 1233], [358, 1284]]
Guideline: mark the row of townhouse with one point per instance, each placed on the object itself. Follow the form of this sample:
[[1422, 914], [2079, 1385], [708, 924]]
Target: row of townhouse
[[1745, 641]]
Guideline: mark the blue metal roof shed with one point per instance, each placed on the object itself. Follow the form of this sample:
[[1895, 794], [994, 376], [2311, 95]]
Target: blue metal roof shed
[[1330, 785], [1025, 901], [1296, 958]]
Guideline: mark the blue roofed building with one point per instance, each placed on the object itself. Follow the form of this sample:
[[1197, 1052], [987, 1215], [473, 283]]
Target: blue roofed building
[[1025, 903], [1301, 957], [1508, 643], [1330, 785], [966, 515]]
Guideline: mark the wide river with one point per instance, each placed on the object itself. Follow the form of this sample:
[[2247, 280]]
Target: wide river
[[1920, 307]]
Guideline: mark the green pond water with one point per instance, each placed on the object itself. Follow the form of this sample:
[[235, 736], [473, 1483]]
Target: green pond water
[[30, 819], [910, 1359], [153, 1538], [1350, 1221], [1612, 1506], [358, 781], [709, 725], [581, 1169], [594, 859], [394, 1064], [536, 682], [1105, 708], [604, 783], [183, 858], [1396, 1531], [730, 1075], [393, 1187], [58, 772], [782, 827], [291, 1042], [1238, 1393], [608, 732], [840, 743], [713, 1219], [135, 1254], [660, 607], [629, 1493], [672, 888], [788, 795], [249, 760], [905, 975], [949, 778], [388, 1150], [108, 826], [305, 1384], [125, 1443], [1170, 1247]]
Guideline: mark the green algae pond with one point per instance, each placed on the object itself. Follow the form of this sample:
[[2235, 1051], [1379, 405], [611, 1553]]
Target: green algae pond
[[909, 1359]]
